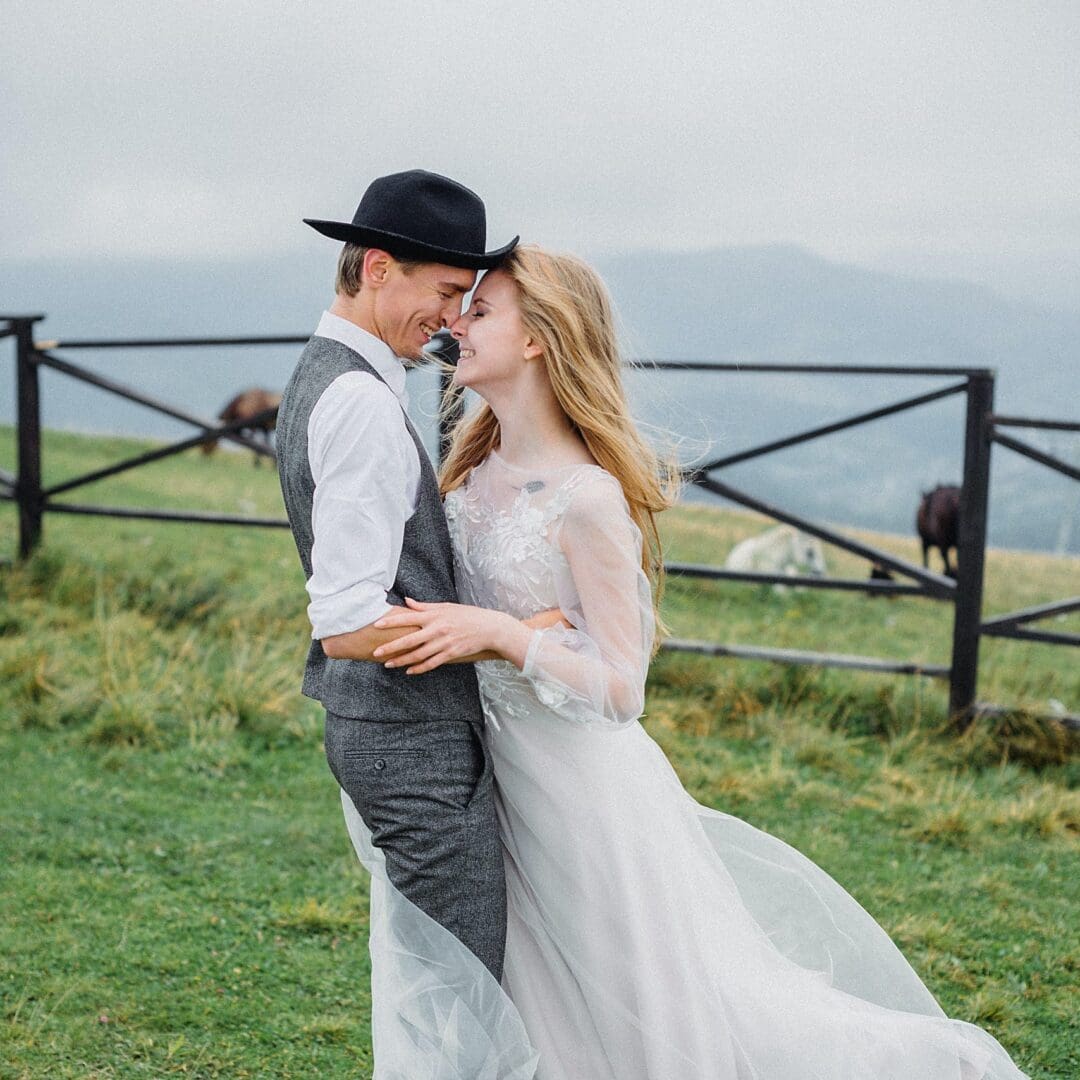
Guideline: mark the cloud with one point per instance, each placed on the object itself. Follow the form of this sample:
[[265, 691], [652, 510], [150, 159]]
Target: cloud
[[201, 128]]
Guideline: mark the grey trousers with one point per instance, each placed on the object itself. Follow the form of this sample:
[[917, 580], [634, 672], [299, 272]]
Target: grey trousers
[[425, 790]]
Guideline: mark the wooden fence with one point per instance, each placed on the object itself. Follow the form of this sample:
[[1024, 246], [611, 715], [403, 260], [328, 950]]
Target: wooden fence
[[982, 429]]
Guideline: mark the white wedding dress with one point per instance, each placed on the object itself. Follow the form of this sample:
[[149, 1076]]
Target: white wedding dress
[[649, 937]]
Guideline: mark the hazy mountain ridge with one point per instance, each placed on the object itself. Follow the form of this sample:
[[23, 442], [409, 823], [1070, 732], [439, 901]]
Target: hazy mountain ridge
[[786, 305]]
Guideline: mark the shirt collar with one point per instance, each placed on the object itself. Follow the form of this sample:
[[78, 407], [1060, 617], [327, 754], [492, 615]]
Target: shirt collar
[[374, 350]]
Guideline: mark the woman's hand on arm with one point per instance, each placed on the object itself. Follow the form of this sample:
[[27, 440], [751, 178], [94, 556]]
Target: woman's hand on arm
[[437, 634]]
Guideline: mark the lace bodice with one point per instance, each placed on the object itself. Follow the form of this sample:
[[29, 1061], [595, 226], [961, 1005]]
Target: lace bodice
[[526, 540], [501, 532]]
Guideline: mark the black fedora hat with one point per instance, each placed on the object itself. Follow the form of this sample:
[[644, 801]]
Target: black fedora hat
[[420, 215]]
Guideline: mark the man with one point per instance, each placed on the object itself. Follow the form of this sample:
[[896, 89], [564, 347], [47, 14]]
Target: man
[[364, 507]]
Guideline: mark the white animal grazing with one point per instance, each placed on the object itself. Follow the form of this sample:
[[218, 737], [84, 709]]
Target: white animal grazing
[[783, 550]]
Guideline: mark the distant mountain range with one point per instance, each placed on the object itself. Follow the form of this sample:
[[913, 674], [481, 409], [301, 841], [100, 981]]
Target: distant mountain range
[[737, 305], [786, 305]]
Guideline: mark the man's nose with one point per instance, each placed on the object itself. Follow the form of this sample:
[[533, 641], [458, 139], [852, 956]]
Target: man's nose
[[451, 311]]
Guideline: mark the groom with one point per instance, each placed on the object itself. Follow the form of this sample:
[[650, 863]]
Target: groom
[[363, 502]]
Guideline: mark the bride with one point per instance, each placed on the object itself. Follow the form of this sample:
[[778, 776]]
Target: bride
[[649, 938]]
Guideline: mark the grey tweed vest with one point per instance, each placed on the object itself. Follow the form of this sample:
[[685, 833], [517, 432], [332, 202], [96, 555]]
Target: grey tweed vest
[[357, 688]]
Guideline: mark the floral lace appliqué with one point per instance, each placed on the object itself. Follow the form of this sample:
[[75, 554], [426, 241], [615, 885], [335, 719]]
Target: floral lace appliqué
[[507, 557]]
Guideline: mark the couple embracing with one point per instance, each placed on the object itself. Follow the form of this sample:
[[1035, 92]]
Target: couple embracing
[[546, 899]]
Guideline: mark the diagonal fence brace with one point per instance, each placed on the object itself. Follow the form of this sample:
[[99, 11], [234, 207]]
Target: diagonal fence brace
[[935, 584]]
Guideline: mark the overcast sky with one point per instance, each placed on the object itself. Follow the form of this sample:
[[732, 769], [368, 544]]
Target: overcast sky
[[937, 136]]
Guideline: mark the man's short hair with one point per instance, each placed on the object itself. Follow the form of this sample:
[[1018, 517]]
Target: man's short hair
[[350, 268]]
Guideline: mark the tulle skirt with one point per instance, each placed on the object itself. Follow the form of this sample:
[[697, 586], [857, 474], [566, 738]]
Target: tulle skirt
[[649, 938]]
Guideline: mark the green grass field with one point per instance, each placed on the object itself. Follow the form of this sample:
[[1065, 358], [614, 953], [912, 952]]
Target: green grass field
[[177, 893]]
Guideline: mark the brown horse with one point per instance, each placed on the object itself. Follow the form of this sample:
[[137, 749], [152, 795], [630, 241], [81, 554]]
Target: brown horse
[[936, 522], [250, 403]]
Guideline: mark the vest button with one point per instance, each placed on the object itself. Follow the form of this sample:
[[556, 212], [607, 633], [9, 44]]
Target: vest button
[[380, 764]]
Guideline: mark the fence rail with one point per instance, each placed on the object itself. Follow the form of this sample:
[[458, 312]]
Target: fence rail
[[982, 429], [1013, 624]]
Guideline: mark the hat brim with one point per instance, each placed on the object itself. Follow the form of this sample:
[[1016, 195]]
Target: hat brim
[[404, 247]]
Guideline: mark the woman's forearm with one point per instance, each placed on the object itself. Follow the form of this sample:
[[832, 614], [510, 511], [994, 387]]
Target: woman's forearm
[[515, 646]]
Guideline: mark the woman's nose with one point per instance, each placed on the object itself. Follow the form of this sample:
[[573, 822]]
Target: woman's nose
[[457, 327]]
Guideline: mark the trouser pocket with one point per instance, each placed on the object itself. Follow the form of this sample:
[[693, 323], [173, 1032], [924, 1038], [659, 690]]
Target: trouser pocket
[[398, 768]]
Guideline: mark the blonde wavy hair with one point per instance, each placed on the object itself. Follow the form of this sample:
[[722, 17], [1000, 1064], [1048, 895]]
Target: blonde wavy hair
[[566, 310]]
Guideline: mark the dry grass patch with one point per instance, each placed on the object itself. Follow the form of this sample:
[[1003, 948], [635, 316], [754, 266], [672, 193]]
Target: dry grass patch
[[314, 916], [923, 931], [1046, 811]]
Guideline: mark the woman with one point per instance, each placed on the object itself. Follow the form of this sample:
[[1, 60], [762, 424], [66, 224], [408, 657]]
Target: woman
[[649, 938]]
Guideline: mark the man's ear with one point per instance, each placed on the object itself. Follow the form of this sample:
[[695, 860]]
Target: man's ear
[[532, 350], [376, 266]]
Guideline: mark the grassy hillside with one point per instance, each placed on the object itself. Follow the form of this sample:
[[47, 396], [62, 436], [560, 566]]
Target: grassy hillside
[[177, 894]]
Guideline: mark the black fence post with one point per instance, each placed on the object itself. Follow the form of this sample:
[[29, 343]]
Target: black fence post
[[971, 548], [28, 476]]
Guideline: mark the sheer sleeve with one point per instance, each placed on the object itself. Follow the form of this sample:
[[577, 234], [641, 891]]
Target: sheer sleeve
[[595, 672]]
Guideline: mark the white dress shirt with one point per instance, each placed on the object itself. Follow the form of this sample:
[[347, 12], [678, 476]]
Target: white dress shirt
[[367, 474]]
